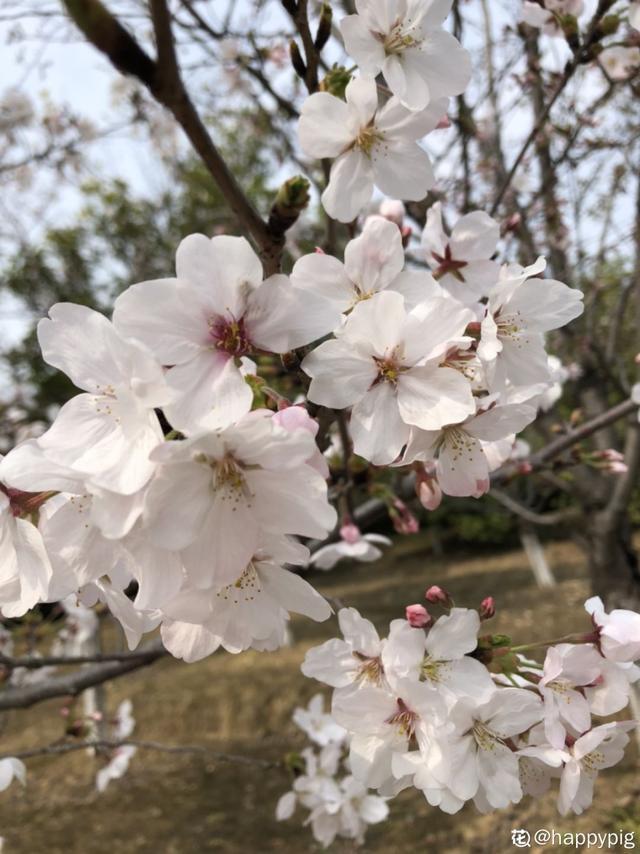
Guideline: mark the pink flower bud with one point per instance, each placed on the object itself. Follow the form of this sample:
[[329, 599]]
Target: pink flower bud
[[487, 608], [444, 123], [611, 455], [524, 468], [417, 616], [404, 522], [350, 533], [438, 596], [393, 210], [428, 489], [319, 250]]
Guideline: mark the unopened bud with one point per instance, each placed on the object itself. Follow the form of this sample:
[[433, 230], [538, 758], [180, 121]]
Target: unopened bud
[[444, 123], [324, 27], [487, 608], [428, 489], [296, 60], [404, 521], [393, 210], [438, 596], [335, 81], [417, 616], [524, 468], [350, 533]]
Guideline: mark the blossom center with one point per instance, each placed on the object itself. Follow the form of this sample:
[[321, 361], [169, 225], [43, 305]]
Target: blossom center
[[370, 669], [229, 335], [367, 139], [245, 589], [403, 720], [448, 264], [434, 671], [458, 443], [486, 738], [389, 368], [509, 325]]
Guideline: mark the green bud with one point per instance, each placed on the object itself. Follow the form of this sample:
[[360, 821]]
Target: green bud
[[336, 81], [500, 640], [291, 199]]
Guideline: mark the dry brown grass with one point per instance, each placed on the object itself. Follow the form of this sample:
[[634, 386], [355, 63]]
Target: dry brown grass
[[243, 704]]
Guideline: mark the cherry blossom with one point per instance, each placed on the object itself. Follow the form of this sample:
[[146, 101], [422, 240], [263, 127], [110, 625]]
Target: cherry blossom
[[546, 15], [121, 728], [618, 631], [352, 544], [405, 41], [519, 311], [317, 724], [594, 751], [356, 660], [11, 769], [385, 363], [373, 146], [253, 611], [201, 323], [373, 262], [213, 495], [104, 435], [460, 451], [567, 668], [25, 569], [462, 262]]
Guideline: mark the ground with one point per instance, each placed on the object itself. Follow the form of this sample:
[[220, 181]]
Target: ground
[[176, 804]]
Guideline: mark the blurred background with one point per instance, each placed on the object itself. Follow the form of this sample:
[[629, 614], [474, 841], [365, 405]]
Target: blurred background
[[98, 185]]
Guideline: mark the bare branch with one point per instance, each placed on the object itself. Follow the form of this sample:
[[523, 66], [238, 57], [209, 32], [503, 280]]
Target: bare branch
[[58, 749], [72, 684]]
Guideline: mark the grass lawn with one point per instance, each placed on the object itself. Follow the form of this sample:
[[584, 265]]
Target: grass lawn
[[178, 804]]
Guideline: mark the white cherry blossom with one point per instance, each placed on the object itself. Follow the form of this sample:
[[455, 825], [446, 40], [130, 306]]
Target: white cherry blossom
[[203, 322], [462, 452], [385, 363], [618, 631], [106, 434], [352, 545], [356, 660], [373, 262], [373, 146], [405, 41], [519, 311], [461, 262], [214, 495]]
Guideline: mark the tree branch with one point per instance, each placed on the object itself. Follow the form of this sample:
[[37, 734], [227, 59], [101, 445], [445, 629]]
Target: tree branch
[[58, 749], [72, 684]]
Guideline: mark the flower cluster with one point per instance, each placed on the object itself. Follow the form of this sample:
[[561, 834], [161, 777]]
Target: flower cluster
[[463, 716], [203, 521], [338, 804], [440, 368]]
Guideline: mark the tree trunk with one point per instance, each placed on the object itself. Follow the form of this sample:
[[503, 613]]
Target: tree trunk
[[613, 563]]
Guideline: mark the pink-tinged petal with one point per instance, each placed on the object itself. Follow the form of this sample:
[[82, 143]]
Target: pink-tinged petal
[[362, 99], [325, 276], [402, 169], [501, 421], [377, 430], [546, 304], [210, 393], [134, 623], [433, 237], [462, 467], [474, 237], [176, 504], [188, 641], [225, 545], [442, 61], [325, 128], [375, 258], [350, 186], [398, 123], [295, 594], [340, 374], [377, 323], [453, 635], [361, 45], [168, 316], [225, 268], [85, 345], [359, 632], [430, 398], [280, 317]]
